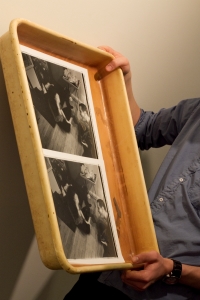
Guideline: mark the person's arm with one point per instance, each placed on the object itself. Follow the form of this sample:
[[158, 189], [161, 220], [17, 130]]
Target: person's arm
[[122, 62], [155, 268], [190, 276], [152, 131], [60, 111], [57, 100]]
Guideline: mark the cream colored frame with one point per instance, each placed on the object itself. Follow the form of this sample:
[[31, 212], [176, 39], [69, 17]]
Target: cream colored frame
[[123, 168]]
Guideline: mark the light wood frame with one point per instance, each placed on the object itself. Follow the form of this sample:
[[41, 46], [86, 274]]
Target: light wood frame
[[119, 147]]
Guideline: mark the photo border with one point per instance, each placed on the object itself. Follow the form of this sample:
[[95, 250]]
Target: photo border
[[76, 158]]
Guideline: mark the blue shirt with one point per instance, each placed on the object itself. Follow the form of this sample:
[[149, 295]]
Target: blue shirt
[[174, 195]]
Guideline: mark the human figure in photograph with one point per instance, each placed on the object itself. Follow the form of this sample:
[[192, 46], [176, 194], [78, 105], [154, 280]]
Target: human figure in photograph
[[61, 174], [78, 100], [85, 132], [60, 110], [55, 96], [81, 213], [60, 100], [71, 197], [102, 223]]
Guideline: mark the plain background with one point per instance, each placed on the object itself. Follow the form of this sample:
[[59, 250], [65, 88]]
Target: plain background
[[161, 38]]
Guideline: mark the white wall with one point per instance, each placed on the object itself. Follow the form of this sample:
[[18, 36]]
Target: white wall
[[161, 40]]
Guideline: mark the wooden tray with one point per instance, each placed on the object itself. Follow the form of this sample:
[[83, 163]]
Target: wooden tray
[[126, 186]]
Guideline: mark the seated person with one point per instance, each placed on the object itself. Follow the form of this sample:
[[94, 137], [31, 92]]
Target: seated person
[[80, 215], [62, 115]]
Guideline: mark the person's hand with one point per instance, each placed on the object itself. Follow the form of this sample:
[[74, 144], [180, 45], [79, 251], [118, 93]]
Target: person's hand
[[119, 61], [154, 268]]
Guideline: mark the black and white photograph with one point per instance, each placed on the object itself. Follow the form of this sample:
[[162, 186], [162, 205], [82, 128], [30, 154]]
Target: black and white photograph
[[60, 99], [65, 118], [82, 210]]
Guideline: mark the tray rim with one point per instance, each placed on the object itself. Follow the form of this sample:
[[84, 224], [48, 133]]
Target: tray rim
[[60, 260]]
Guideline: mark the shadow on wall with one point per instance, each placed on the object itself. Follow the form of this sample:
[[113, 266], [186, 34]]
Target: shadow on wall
[[58, 286], [16, 230]]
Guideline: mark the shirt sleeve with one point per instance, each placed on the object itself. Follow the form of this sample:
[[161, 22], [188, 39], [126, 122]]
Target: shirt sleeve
[[162, 128]]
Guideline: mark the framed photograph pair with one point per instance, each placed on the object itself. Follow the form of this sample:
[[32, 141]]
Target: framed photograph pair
[[78, 151]]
